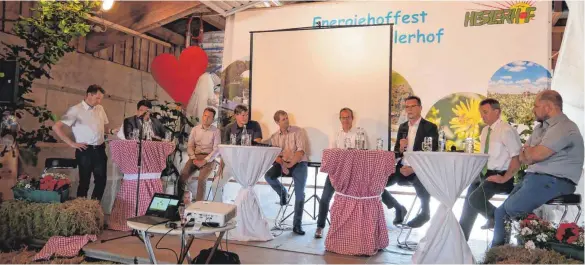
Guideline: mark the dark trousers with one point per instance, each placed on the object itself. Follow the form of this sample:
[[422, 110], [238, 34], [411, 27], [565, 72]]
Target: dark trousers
[[421, 192], [328, 192], [477, 200], [299, 175], [92, 160]]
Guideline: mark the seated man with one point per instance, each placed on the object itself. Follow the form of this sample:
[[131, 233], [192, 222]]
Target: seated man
[[502, 143], [152, 126], [242, 117], [338, 141], [291, 161], [554, 153], [202, 148], [411, 135]]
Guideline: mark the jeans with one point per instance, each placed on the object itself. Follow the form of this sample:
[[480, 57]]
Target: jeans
[[299, 175], [328, 191], [477, 200], [534, 191]]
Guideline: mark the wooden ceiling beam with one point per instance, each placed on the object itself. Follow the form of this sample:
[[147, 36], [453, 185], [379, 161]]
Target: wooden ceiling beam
[[168, 36], [140, 16]]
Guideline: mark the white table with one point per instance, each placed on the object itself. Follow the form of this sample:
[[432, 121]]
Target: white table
[[146, 229], [248, 164], [445, 175]]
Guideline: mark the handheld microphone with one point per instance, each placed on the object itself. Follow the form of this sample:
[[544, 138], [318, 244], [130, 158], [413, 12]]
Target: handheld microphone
[[144, 114]]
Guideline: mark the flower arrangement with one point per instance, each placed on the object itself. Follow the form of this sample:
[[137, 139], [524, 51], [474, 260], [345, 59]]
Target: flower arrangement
[[535, 232], [48, 182]]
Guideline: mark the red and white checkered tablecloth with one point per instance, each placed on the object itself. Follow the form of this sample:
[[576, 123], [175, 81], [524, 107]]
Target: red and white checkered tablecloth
[[125, 203], [61, 246], [154, 155], [125, 156], [357, 226]]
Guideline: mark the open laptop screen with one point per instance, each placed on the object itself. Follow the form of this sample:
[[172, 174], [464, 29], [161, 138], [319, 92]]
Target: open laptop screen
[[161, 203]]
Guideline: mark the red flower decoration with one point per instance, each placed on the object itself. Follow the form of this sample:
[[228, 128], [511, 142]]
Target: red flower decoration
[[568, 232], [532, 217]]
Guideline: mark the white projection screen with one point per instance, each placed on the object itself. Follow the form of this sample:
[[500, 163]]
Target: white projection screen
[[313, 73]]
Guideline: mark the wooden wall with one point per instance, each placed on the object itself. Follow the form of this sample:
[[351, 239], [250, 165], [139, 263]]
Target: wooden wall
[[135, 52]]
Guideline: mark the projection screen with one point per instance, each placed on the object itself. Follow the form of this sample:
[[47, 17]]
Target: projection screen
[[313, 73]]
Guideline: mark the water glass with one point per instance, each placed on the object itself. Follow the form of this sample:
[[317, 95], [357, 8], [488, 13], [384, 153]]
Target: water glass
[[427, 144], [136, 134], [379, 144], [469, 145], [168, 136], [347, 143], [233, 139]]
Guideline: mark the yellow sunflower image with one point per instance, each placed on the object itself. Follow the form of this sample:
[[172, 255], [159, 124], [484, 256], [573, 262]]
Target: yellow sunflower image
[[467, 119], [459, 117]]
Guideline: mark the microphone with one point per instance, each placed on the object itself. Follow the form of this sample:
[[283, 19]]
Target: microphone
[[144, 114]]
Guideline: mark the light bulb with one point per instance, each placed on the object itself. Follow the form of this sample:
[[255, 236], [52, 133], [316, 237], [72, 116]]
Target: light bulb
[[107, 4]]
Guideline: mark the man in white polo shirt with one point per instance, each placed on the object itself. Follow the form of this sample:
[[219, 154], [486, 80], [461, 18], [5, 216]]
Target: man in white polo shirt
[[88, 121]]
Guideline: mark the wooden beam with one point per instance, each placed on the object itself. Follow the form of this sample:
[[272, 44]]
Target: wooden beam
[[216, 21], [139, 16], [118, 32], [558, 6], [168, 35], [558, 29], [170, 18]]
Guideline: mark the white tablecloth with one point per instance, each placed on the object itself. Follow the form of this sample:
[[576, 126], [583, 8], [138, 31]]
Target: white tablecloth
[[445, 175], [248, 164]]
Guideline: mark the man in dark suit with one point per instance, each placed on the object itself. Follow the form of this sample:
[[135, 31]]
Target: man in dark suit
[[411, 135], [152, 126]]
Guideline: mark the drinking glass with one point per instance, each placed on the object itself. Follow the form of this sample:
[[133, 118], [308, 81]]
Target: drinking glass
[[379, 144], [469, 145], [136, 133], [168, 136], [233, 139], [427, 144], [347, 143]]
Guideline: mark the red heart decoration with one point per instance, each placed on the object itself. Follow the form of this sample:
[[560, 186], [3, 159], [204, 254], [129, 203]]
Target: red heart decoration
[[179, 77]]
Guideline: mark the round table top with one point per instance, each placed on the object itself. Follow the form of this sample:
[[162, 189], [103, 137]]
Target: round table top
[[447, 154], [161, 229]]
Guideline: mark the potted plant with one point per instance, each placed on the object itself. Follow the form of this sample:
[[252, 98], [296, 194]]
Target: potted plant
[[52, 187], [569, 238]]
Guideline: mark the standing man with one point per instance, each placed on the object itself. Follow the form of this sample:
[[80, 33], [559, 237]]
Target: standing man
[[337, 141], [411, 135], [291, 161], [88, 122], [502, 143], [554, 153], [202, 148], [151, 126], [242, 116]]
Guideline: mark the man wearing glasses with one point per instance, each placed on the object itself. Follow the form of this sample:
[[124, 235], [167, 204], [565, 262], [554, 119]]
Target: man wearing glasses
[[346, 134], [410, 138]]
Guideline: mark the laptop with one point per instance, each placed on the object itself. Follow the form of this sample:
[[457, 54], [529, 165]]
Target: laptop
[[162, 208]]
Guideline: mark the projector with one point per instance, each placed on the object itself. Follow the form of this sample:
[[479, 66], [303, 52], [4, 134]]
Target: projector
[[215, 214]]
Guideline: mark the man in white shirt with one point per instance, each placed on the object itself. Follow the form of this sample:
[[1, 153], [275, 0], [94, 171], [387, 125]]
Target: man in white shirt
[[202, 148], [502, 143], [337, 141], [88, 122]]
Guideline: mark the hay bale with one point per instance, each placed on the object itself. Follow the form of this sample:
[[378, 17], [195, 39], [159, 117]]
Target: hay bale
[[518, 255], [20, 220]]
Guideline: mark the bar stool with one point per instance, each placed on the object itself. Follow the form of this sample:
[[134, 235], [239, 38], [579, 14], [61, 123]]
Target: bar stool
[[567, 200], [404, 243]]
